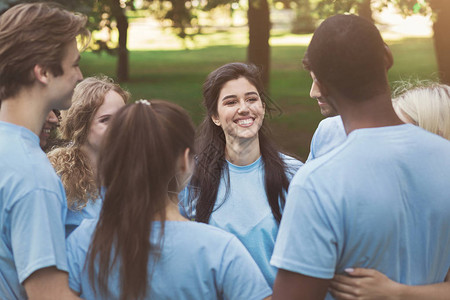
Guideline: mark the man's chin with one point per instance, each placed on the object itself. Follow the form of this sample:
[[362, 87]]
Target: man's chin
[[65, 103], [328, 111]]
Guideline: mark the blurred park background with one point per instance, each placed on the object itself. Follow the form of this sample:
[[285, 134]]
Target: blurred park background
[[164, 49]]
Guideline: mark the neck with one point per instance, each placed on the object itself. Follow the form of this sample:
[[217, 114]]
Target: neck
[[172, 210], [242, 152], [374, 112], [26, 109]]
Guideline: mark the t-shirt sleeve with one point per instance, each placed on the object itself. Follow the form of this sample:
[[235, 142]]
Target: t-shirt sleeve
[[308, 239], [312, 147], [37, 233], [75, 259], [292, 166], [239, 274]]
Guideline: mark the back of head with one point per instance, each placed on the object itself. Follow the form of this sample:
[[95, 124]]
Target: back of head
[[347, 55], [145, 140], [427, 106], [34, 34], [137, 167]]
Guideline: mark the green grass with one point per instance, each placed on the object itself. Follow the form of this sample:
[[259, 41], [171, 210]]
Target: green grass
[[177, 75]]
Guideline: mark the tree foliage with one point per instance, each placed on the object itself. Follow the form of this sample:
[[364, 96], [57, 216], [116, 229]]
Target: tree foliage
[[100, 14]]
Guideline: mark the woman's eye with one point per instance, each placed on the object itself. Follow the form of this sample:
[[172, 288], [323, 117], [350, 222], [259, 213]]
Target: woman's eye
[[230, 102], [104, 120], [252, 99]]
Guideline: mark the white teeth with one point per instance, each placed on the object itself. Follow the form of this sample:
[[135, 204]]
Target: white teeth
[[46, 130], [245, 122]]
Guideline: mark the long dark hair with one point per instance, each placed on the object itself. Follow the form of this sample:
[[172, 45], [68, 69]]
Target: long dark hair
[[211, 163], [137, 167]]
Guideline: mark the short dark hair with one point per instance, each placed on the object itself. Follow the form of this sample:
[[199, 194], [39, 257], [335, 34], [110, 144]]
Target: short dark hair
[[347, 54], [305, 62], [31, 34]]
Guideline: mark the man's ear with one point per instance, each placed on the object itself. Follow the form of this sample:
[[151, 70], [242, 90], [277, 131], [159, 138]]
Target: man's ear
[[388, 58], [41, 74]]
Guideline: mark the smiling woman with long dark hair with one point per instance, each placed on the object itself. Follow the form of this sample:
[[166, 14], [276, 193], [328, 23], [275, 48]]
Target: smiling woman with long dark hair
[[241, 178]]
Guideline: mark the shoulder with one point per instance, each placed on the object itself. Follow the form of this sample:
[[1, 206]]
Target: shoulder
[[81, 236], [330, 127], [329, 134], [292, 164], [201, 230], [335, 121], [201, 237], [323, 167], [210, 242], [28, 175]]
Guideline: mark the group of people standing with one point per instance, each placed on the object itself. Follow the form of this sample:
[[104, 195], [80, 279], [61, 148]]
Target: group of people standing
[[136, 203]]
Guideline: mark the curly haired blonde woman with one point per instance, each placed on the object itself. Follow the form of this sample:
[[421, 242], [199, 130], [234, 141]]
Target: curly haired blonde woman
[[94, 102]]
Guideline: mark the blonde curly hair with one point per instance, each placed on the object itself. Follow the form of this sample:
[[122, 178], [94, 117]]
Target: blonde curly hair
[[70, 163]]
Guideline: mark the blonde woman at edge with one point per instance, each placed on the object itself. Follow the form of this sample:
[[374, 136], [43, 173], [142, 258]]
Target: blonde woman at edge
[[427, 106], [94, 102]]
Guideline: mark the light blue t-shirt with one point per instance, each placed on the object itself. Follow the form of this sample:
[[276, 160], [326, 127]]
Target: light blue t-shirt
[[381, 200], [32, 211], [90, 211], [329, 134], [245, 211], [197, 262]]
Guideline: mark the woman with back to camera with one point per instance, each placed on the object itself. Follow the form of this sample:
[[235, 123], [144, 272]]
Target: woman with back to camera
[[141, 247], [241, 178], [94, 102], [427, 105]]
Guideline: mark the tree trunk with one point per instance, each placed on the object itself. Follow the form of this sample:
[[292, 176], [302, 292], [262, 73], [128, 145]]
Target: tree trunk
[[122, 26], [441, 26], [258, 51], [365, 10]]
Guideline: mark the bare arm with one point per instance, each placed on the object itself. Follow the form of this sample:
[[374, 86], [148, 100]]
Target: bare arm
[[289, 285], [49, 283], [369, 284]]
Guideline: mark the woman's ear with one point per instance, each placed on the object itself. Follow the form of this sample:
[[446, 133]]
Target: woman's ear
[[215, 120], [186, 161], [186, 169]]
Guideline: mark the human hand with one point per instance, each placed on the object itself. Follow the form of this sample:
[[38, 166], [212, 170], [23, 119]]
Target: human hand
[[363, 284]]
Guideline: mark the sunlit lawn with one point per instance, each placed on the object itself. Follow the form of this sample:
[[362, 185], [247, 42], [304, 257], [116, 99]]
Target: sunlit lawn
[[177, 75]]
